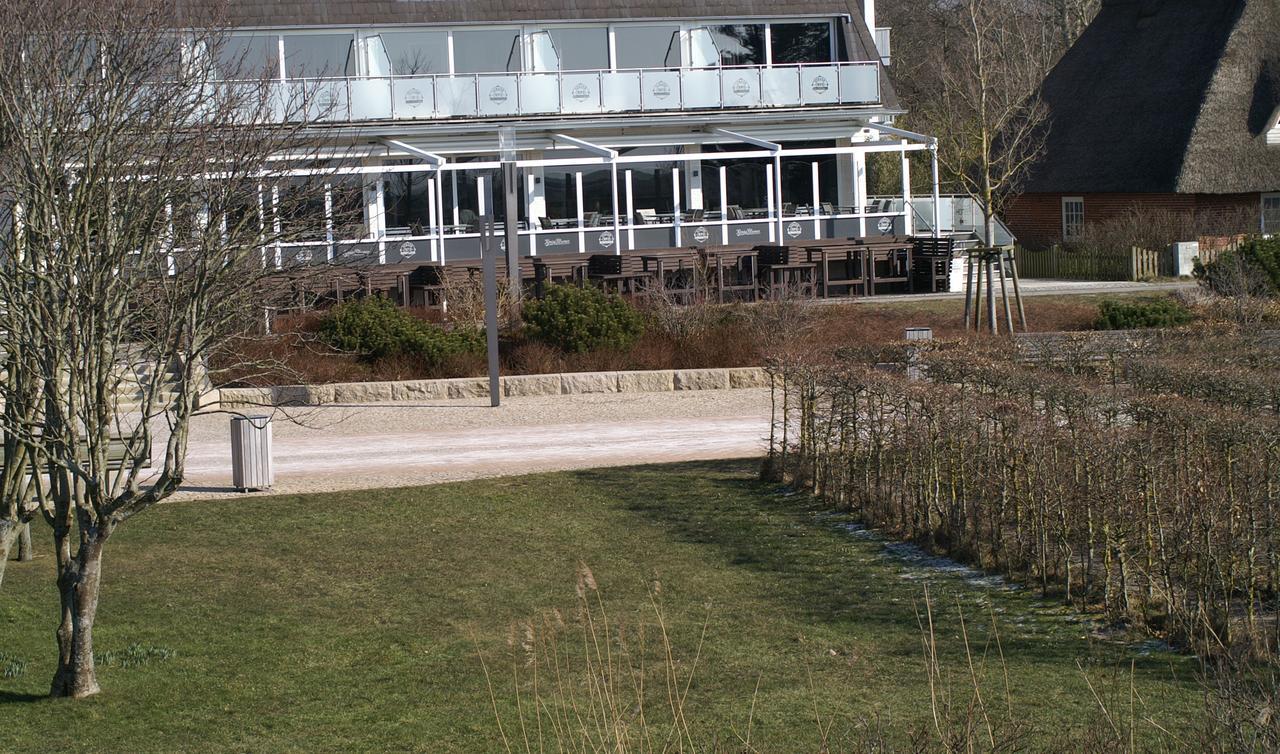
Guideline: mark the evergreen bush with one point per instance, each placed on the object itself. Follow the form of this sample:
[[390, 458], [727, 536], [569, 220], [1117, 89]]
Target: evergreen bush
[[1142, 313], [577, 320], [376, 329]]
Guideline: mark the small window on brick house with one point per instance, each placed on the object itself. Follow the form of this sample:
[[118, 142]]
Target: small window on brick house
[[1271, 213], [1072, 217]]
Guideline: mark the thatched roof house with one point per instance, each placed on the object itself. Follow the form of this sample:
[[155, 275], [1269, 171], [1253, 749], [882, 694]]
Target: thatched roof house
[[1161, 103]]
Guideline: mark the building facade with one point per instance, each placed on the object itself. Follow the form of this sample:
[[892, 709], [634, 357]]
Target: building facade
[[1170, 105], [621, 128]]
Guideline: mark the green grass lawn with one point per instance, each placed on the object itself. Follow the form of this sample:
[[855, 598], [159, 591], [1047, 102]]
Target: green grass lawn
[[355, 622]]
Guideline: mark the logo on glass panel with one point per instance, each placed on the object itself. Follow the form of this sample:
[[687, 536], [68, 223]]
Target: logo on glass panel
[[820, 85], [414, 98], [885, 225], [701, 235], [662, 90], [741, 88], [304, 256], [498, 95], [606, 239], [581, 92], [794, 230], [407, 250]]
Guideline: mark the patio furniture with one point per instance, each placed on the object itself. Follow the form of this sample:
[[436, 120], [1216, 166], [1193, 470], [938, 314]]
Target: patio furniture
[[841, 265], [931, 264], [734, 271], [799, 278], [734, 212], [646, 216], [827, 208], [590, 219], [788, 209], [693, 216]]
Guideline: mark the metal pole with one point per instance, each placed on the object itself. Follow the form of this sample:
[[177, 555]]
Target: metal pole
[[490, 251]]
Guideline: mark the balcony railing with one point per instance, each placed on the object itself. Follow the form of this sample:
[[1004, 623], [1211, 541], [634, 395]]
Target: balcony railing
[[489, 95]]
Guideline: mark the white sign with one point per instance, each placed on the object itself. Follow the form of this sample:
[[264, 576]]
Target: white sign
[[885, 225], [794, 230], [407, 250], [606, 239], [701, 235]]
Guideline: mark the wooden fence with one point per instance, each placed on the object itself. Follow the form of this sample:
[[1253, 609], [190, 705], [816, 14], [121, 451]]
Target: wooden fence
[[1060, 264], [1057, 263]]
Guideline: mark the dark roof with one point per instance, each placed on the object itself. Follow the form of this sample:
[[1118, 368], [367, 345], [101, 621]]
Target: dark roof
[[365, 12], [1164, 96]]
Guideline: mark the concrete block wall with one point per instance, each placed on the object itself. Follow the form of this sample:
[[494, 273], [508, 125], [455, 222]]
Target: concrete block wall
[[514, 386]]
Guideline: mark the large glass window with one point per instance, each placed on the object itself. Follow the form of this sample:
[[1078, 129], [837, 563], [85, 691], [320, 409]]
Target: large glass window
[[409, 53], [801, 43], [486, 51], [582, 49], [1072, 216], [249, 57], [647, 46], [318, 55], [739, 44], [408, 202]]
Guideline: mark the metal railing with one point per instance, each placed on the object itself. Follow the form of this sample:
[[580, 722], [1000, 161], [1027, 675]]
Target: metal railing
[[484, 95]]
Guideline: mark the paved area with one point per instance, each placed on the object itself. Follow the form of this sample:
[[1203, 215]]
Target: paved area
[[393, 445], [1040, 287]]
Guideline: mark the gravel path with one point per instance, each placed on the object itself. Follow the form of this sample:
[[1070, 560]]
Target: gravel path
[[394, 445]]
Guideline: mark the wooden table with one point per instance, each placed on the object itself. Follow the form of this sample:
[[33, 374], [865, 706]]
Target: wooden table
[[783, 275]]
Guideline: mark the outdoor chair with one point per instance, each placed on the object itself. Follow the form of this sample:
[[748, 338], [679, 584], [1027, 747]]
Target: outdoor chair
[[693, 216], [734, 212], [827, 208], [544, 223], [646, 216], [590, 219], [788, 209]]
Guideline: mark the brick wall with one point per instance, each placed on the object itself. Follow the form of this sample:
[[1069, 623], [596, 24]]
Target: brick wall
[[1036, 219]]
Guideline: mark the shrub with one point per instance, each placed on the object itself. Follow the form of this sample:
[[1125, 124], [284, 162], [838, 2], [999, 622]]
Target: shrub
[[1251, 270], [377, 329], [577, 320], [1142, 313]]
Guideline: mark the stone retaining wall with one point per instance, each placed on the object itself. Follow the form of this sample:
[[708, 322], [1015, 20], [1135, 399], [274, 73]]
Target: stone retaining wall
[[515, 386]]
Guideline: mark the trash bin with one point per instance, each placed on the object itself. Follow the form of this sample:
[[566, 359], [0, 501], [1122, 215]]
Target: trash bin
[[251, 453]]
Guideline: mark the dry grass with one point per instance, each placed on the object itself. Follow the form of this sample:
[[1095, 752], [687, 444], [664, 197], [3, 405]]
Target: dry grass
[[702, 335]]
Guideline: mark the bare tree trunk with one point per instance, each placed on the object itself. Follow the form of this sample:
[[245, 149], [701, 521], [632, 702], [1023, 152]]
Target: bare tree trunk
[[6, 542], [25, 553], [78, 586]]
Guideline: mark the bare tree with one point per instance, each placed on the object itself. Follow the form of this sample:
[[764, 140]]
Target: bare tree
[[147, 201], [989, 122]]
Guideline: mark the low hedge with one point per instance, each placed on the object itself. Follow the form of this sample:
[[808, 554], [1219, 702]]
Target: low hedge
[[578, 320]]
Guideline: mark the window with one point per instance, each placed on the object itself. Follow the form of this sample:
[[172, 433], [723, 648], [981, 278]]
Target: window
[[647, 46], [408, 204], [249, 57], [800, 43], [1072, 216], [1271, 213], [409, 53], [739, 44], [582, 49], [318, 55], [486, 51]]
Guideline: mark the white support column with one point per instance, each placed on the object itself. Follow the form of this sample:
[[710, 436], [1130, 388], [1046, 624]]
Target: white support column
[[908, 211], [869, 13], [817, 204], [617, 209], [582, 234], [328, 220], [440, 215], [724, 205], [937, 191], [777, 183], [676, 204], [693, 180], [433, 216], [482, 195], [860, 199], [775, 221], [378, 217], [631, 212]]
